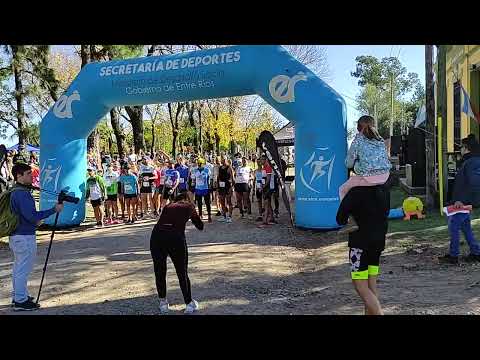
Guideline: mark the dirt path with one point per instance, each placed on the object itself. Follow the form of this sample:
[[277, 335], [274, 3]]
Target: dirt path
[[240, 269]]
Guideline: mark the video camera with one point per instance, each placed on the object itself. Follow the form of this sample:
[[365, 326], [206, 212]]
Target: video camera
[[62, 196], [67, 198]]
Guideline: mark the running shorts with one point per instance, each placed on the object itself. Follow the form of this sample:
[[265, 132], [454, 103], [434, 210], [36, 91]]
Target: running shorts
[[364, 263], [96, 203], [241, 187]]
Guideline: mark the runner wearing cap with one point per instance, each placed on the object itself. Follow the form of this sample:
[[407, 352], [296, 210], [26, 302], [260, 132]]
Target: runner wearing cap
[[172, 180], [146, 179], [184, 173], [202, 180], [130, 190], [96, 192], [111, 178], [242, 179]]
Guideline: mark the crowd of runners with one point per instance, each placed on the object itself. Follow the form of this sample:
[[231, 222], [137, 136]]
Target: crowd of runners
[[139, 186]]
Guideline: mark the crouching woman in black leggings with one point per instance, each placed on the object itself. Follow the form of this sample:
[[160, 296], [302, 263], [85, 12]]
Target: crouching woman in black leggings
[[168, 239]]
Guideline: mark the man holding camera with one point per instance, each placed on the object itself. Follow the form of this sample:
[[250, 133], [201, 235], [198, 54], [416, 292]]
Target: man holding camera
[[23, 241]]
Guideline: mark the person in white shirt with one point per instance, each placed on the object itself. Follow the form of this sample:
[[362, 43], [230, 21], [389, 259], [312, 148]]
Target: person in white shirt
[[243, 174], [209, 166], [132, 157], [216, 201]]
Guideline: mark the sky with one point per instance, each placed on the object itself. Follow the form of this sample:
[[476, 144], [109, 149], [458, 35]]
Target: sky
[[341, 60]]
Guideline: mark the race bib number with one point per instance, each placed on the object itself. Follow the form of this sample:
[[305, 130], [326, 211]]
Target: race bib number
[[181, 180], [128, 188], [94, 193], [199, 182], [263, 181], [146, 184], [259, 185], [168, 182], [221, 184]]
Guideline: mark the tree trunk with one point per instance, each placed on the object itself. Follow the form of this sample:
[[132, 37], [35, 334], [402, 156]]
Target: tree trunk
[[391, 105], [190, 111], [117, 130], [174, 143], [153, 138], [217, 142], [442, 112], [200, 142], [19, 97], [110, 145], [84, 54], [87, 54], [135, 113]]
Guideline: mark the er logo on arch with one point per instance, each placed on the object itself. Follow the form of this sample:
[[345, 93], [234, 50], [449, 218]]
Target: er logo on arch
[[282, 87], [63, 107]]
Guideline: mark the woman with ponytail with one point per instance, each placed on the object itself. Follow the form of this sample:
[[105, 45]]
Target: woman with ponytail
[[368, 157]]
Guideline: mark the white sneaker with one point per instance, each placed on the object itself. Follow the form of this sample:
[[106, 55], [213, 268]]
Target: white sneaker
[[229, 219], [222, 219], [192, 307], [164, 306]]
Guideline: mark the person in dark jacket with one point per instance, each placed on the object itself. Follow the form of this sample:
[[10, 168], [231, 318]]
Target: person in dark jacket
[[466, 191], [168, 239], [369, 207]]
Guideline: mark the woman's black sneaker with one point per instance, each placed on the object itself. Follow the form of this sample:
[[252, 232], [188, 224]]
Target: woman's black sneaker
[[218, 213], [447, 259], [27, 305]]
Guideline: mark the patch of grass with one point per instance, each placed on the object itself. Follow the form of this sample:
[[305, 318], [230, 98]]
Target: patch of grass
[[433, 218]]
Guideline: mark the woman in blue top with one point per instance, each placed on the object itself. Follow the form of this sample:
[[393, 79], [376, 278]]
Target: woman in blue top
[[184, 174], [130, 192], [172, 180], [202, 176]]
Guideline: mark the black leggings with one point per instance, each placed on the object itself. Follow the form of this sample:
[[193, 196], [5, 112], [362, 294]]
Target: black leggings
[[275, 200], [168, 243], [198, 199]]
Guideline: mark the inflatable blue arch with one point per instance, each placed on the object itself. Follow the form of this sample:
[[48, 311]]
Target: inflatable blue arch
[[317, 111]]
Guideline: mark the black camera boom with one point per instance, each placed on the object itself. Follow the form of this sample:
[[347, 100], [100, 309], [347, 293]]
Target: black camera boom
[[62, 196], [67, 198]]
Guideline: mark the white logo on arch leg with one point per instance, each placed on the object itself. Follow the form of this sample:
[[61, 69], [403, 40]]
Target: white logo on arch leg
[[317, 170], [282, 87], [63, 107]]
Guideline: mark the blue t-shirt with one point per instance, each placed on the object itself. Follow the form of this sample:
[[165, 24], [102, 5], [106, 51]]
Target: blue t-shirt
[[183, 171], [129, 184], [23, 204], [236, 163], [202, 180], [171, 176]]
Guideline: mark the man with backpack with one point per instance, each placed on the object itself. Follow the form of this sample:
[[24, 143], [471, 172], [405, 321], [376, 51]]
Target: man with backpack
[[18, 220]]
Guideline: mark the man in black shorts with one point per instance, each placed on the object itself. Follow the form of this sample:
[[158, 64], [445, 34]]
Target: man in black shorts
[[369, 206]]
